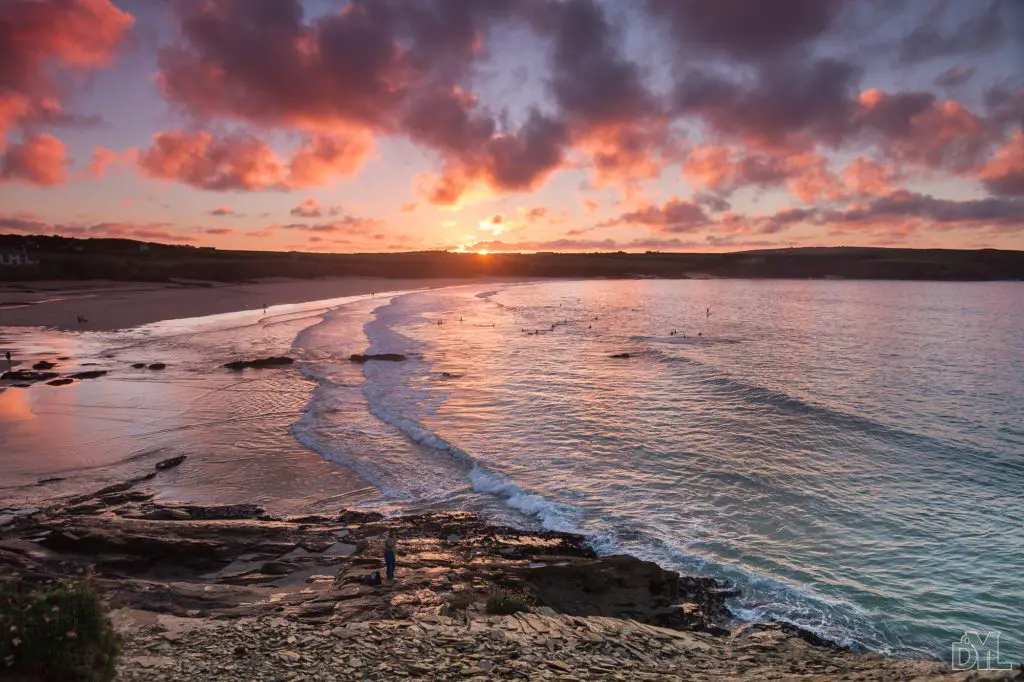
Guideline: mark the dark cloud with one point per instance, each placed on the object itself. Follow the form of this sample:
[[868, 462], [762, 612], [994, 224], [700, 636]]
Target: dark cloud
[[788, 104], [159, 232], [592, 81], [937, 37], [711, 201], [994, 212], [345, 225], [747, 30], [955, 76], [1005, 107], [673, 216]]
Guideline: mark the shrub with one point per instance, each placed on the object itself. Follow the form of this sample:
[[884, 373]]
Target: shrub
[[504, 603], [459, 601], [57, 633]]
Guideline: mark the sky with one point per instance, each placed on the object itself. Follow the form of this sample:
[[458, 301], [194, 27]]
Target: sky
[[514, 125]]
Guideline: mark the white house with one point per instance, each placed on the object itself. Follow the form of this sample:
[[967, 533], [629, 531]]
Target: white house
[[15, 258]]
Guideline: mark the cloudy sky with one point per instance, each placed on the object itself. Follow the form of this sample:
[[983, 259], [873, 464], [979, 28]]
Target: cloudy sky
[[374, 125]]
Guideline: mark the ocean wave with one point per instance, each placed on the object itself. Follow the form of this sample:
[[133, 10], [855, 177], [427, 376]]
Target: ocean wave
[[686, 340]]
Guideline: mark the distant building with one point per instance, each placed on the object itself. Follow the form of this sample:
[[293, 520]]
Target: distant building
[[15, 258]]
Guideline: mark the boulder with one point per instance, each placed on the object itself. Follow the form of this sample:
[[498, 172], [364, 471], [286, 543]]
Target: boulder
[[260, 363], [43, 364], [60, 382], [139, 365], [91, 374], [386, 357], [171, 463], [622, 356], [158, 365]]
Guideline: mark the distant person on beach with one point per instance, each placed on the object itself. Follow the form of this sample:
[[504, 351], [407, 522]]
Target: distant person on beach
[[389, 555], [10, 365]]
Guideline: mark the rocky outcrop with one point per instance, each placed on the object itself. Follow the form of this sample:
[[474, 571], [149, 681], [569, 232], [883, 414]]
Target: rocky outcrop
[[260, 363], [60, 382], [229, 593], [385, 357], [139, 365], [623, 356], [44, 364]]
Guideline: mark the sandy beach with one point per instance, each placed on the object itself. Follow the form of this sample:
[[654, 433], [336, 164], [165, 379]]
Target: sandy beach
[[86, 433], [110, 305]]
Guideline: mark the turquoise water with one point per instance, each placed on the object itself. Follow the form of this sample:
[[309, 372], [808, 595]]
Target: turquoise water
[[851, 454]]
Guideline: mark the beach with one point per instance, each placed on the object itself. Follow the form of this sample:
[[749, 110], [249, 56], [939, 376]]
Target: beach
[[108, 305], [60, 440]]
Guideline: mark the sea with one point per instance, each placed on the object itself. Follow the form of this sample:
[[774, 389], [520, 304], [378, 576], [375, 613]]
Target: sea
[[849, 454]]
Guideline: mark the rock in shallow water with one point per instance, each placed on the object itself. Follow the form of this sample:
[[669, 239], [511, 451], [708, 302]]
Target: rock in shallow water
[[386, 357], [24, 375], [91, 374], [259, 363]]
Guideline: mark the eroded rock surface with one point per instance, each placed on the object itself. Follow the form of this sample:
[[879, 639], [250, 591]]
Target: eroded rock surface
[[232, 593]]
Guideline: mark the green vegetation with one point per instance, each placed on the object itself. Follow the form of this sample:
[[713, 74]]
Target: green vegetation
[[504, 603], [459, 601], [57, 633]]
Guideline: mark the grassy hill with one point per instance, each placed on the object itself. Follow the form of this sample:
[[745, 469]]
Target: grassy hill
[[122, 259]]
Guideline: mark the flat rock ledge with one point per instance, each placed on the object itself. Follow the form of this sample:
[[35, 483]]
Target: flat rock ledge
[[231, 593]]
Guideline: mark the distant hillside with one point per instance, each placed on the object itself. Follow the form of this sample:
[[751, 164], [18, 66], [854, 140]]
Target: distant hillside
[[122, 259]]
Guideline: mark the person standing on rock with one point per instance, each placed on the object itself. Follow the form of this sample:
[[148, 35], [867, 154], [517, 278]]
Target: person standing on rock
[[389, 555]]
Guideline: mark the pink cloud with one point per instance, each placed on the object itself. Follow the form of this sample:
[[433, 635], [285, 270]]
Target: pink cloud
[[102, 159], [1004, 173], [39, 160], [323, 157], [311, 208], [245, 163], [205, 162], [37, 35]]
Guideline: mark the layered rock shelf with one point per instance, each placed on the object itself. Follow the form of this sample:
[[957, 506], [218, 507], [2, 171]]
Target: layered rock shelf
[[233, 593]]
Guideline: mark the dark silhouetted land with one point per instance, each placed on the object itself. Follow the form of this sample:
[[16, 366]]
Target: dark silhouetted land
[[116, 259]]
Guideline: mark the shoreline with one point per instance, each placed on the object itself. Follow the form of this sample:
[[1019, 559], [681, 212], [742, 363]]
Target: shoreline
[[110, 306], [313, 452], [233, 593]]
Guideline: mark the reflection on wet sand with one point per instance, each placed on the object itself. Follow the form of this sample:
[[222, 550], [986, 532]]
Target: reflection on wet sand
[[233, 427]]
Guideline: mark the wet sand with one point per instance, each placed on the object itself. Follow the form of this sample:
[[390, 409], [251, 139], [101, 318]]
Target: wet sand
[[119, 305], [234, 426]]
